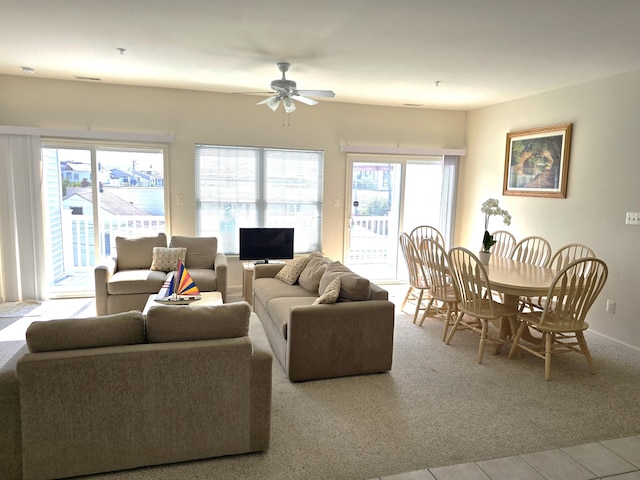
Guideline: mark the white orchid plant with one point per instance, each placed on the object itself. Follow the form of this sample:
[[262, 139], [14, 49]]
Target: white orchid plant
[[492, 208]]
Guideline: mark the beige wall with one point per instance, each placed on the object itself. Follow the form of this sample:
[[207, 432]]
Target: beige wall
[[603, 165], [603, 169], [197, 117]]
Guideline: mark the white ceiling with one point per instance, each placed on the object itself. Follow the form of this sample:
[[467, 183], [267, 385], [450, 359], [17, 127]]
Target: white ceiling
[[378, 52]]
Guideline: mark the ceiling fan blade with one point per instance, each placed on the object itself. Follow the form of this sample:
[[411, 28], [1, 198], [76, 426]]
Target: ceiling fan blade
[[308, 101], [317, 93], [272, 102], [266, 100]]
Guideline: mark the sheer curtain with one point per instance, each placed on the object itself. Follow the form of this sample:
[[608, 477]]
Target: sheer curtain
[[22, 251]]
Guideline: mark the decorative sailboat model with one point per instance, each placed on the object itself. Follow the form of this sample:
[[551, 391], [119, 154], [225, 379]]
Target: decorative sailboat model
[[179, 288]]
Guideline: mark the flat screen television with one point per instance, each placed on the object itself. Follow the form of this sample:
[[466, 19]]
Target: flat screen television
[[264, 244]]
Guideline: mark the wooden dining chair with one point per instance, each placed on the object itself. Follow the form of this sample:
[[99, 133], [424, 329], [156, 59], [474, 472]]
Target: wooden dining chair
[[505, 241], [441, 290], [560, 259], [471, 281], [418, 291], [534, 250], [426, 231], [562, 320]]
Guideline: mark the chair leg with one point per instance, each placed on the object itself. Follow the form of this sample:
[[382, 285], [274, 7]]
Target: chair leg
[[516, 340], [483, 338], [445, 327], [429, 305], [406, 298], [549, 339], [454, 328], [418, 303], [585, 351]]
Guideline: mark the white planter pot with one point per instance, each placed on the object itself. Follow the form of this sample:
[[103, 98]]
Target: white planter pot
[[484, 257]]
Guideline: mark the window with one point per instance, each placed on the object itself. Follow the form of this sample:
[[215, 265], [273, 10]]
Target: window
[[253, 187], [95, 193]]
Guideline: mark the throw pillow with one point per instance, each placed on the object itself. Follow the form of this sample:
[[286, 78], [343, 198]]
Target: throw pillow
[[137, 253], [352, 286], [166, 259], [186, 323], [292, 270], [310, 277], [75, 333], [330, 294]]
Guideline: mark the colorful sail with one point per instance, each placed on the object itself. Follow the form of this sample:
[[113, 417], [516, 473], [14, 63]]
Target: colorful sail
[[167, 287], [184, 284]]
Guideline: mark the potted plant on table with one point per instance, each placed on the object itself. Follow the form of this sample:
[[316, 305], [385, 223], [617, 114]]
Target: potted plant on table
[[490, 208]]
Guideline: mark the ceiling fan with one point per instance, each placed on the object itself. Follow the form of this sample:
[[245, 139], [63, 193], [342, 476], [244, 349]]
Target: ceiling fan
[[286, 90]]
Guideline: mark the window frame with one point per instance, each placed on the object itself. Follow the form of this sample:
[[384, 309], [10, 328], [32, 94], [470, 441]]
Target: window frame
[[269, 193]]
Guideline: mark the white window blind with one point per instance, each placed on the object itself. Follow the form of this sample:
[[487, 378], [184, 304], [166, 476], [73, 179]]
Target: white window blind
[[248, 187]]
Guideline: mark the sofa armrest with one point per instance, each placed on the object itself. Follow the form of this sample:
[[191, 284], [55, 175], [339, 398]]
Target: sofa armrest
[[220, 265], [261, 385], [10, 424], [346, 338], [266, 270], [102, 274]]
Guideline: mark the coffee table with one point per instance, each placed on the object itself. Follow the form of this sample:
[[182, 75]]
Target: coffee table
[[206, 298]]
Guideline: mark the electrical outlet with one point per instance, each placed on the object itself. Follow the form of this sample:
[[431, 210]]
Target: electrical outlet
[[611, 306], [633, 218]]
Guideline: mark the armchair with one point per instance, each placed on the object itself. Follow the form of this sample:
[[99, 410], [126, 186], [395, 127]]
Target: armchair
[[125, 281]]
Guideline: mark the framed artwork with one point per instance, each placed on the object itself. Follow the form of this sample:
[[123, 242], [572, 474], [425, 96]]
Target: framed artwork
[[537, 162]]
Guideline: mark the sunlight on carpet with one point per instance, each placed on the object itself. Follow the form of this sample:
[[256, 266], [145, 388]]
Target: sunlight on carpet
[[31, 308]]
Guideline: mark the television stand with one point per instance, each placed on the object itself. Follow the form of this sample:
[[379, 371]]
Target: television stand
[[261, 262]]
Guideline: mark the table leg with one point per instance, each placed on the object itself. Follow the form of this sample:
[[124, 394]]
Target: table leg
[[509, 327]]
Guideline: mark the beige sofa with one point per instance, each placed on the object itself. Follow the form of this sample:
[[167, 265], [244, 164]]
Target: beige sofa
[[112, 393], [313, 340], [124, 282]]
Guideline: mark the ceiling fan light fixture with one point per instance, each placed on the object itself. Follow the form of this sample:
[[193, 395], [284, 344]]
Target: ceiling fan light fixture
[[289, 105], [273, 103]]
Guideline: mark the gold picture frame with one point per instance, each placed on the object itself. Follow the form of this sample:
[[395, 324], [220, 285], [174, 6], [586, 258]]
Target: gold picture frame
[[537, 162]]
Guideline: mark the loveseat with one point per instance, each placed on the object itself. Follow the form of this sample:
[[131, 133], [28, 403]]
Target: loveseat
[[323, 320], [141, 265], [117, 392]]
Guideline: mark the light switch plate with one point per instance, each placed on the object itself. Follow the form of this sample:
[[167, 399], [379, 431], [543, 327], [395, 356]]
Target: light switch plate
[[633, 218]]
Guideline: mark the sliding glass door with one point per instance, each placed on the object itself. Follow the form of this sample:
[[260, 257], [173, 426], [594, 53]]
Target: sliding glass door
[[94, 193], [390, 195]]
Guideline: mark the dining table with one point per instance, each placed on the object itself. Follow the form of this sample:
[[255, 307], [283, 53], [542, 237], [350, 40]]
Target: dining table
[[515, 279]]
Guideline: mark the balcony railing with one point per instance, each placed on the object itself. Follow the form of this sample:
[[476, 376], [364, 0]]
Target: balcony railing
[[79, 242]]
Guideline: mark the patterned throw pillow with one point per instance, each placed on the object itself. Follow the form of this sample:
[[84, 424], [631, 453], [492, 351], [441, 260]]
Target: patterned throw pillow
[[330, 294], [292, 270], [166, 259]]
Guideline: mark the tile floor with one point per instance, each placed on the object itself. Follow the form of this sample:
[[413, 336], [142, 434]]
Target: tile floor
[[617, 459]]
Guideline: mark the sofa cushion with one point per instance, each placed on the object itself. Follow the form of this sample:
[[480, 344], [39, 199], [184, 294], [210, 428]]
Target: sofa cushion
[[75, 333], [166, 259], [201, 251], [310, 277], [267, 289], [292, 270], [330, 294], [204, 278], [182, 323], [137, 253], [128, 282], [352, 286], [279, 310]]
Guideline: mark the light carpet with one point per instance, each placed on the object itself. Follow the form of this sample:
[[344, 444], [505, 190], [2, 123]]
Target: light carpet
[[436, 407]]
